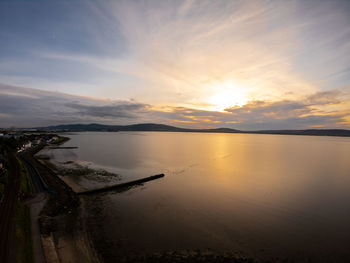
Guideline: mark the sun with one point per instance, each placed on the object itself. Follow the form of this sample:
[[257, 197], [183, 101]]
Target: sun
[[227, 95]]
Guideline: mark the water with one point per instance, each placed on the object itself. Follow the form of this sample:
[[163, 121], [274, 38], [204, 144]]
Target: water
[[263, 196]]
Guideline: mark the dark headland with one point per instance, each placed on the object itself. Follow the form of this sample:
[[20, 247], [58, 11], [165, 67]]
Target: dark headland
[[168, 128]]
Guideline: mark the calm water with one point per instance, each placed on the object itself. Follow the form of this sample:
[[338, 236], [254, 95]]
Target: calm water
[[256, 195]]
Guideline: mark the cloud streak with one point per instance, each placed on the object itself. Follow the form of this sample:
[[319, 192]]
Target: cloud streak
[[23, 107], [187, 51], [116, 110], [307, 113]]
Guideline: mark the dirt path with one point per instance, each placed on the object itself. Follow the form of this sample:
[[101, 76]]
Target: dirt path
[[7, 213]]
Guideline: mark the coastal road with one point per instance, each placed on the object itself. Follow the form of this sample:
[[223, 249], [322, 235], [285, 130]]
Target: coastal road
[[7, 213]]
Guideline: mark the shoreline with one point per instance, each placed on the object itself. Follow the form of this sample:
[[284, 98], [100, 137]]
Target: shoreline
[[61, 219]]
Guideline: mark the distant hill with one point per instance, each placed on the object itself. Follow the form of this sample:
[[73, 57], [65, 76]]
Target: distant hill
[[80, 127], [317, 132], [168, 128], [149, 127], [133, 127]]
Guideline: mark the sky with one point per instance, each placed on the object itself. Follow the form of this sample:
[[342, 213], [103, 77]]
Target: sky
[[239, 64]]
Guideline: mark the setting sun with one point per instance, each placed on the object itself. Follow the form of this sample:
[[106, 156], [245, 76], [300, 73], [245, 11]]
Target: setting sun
[[228, 95]]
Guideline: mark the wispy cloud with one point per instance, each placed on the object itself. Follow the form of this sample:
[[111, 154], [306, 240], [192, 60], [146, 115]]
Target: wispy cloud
[[187, 51]]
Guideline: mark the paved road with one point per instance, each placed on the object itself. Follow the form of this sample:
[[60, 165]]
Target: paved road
[[7, 213]]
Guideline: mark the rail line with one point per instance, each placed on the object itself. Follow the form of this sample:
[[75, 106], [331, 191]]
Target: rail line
[[7, 212]]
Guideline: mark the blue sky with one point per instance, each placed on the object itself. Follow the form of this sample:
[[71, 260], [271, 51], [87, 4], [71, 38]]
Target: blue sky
[[215, 59]]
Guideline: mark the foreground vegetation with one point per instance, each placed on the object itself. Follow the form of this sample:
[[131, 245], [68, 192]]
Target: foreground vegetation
[[22, 218], [7, 145]]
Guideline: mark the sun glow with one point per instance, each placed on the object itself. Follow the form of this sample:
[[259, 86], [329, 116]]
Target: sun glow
[[227, 95]]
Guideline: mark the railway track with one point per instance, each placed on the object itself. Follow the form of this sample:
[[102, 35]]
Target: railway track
[[7, 213], [38, 183]]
